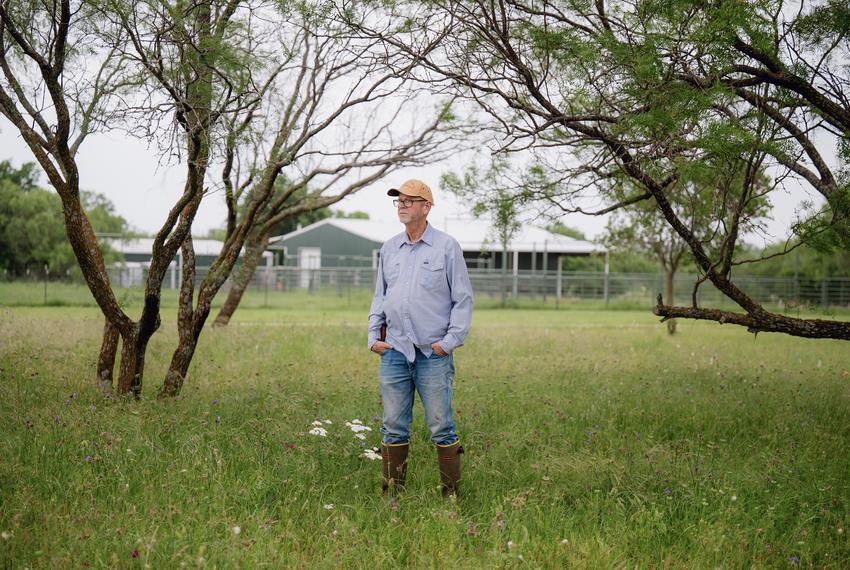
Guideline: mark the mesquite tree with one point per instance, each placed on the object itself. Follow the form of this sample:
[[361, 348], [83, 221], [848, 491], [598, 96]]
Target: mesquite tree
[[650, 90], [73, 68]]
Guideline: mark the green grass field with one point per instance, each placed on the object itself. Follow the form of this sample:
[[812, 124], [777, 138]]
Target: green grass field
[[593, 439]]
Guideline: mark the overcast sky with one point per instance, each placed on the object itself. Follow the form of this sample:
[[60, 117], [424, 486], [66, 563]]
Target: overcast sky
[[130, 175]]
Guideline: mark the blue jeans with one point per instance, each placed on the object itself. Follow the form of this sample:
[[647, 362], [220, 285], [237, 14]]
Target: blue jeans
[[432, 377]]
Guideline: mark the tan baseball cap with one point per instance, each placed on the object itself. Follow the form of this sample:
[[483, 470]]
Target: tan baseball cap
[[413, 187]]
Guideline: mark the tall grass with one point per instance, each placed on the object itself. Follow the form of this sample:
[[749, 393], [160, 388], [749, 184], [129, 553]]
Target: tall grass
[[593, 440], [346, 298]]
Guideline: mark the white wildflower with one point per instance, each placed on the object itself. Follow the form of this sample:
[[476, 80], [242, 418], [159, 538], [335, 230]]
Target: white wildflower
[[357, 427], [236, 530], [316, 423], [356, 421], [6, 535], [318, 431], [360, 435], [372, 454], [510, 544], [329, 507], [328, 422]]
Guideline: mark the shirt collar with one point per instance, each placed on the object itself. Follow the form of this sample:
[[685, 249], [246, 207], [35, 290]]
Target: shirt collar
[[427, 236]]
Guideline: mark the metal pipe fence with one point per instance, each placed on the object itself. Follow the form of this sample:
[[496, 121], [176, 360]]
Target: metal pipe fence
[[607, 288], [603, 289]]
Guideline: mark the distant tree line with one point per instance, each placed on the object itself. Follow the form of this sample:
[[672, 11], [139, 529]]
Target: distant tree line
[[32, 230]]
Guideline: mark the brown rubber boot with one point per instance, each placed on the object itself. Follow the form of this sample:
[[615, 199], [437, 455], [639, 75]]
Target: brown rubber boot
[[448, 457], [393, 466]]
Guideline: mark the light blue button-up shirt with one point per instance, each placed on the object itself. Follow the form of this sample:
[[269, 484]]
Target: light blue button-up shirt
[[422, 294]]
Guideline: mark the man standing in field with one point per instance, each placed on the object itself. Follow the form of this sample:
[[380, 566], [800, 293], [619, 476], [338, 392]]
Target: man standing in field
[[420, 314]]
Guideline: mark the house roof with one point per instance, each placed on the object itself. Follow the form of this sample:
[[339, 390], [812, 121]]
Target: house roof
[[210, 247], [472, 234]]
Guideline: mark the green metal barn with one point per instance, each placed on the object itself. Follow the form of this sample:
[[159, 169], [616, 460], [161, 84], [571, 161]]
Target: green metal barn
[[343, 242]]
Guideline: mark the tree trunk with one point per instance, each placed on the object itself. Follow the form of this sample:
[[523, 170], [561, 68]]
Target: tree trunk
[[180, 361], [190, 333], [190, 321], [187, 341], [668, 295], [254, 248], [130, 372], [106, 362]]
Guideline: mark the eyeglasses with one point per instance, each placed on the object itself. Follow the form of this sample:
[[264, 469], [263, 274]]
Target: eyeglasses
[[406, 202]]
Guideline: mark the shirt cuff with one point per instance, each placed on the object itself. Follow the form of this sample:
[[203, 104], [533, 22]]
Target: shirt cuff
[[448, 343]]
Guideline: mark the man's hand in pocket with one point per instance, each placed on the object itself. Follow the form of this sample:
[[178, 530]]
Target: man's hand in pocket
[[380, 346], [439, 349]]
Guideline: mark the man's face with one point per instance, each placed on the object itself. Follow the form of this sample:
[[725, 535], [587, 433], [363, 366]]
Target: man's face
[[417, 210]]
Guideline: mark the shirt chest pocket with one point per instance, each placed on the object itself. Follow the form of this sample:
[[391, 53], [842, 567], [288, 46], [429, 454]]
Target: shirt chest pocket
[[433, 273]]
